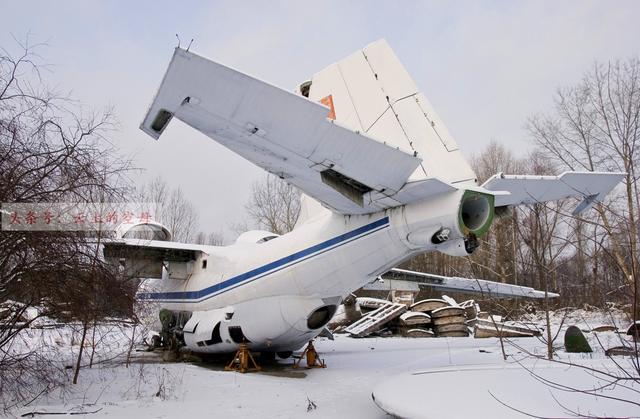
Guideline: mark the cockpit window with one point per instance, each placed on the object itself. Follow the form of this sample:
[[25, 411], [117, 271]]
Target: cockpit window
[[147, 232], [267, 238]]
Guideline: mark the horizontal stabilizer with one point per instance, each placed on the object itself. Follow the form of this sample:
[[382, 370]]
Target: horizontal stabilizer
[[531, 189], [465, 285]]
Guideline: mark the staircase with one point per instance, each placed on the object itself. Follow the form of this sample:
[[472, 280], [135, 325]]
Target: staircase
[[376, 319]]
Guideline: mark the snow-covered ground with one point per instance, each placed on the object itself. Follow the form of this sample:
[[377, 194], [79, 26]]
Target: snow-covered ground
[[355, 368]]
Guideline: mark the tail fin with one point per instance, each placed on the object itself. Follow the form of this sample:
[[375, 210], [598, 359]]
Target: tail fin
[[371, 92], [310, 209]]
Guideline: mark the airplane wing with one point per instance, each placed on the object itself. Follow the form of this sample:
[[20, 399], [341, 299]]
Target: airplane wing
[[530, 189], [160, 247], [286, 134], [465, 285], [146, 258]]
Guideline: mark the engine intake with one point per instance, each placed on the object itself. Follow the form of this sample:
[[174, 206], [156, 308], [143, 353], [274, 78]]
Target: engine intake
[[476, 213]]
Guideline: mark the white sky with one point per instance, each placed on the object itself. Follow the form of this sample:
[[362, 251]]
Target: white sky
[[485, 66]]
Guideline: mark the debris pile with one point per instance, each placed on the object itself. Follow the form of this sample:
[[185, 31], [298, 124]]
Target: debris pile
[[491, 326], [450, 322], [374, 320], [438, 317]]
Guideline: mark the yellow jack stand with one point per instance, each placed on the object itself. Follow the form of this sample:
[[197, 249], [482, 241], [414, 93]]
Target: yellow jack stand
[[313, 359], [241, 359]]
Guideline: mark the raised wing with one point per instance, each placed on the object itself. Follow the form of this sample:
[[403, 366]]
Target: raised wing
[[530, 189], [284, 133], [466, 285]]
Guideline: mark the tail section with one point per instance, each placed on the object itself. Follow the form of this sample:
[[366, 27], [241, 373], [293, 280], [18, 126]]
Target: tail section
[[310, 209], [371, 92]]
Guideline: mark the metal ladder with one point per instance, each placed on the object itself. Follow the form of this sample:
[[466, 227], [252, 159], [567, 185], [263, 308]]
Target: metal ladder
[[375, 320]]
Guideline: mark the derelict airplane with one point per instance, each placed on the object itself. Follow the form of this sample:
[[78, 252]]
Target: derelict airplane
[[383, 180]]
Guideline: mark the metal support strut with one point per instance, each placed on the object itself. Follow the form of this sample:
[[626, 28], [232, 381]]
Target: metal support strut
[[243, 361], [313, 359]]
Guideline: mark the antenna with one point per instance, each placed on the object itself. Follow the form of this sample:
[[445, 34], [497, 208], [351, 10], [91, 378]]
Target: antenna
[[178, 40], [191, 42]]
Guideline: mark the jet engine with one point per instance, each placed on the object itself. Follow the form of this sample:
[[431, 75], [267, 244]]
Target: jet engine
[[454, 222], [476, 213]]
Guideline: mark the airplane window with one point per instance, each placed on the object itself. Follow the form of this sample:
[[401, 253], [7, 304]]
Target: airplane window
[[267, 238], [146, 232]]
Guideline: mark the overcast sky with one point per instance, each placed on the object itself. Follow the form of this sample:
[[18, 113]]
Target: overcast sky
[[485, 66]]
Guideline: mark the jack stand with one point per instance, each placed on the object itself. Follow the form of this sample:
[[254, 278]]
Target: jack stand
[[313, 359], [241, 359]]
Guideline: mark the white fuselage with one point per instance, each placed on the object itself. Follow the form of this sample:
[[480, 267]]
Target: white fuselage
[[373, 142], [271, 289]]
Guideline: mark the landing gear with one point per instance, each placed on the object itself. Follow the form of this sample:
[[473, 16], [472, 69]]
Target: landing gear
[[243, 361], [267, 357], [471, 243], [313, 359], [284, 354]]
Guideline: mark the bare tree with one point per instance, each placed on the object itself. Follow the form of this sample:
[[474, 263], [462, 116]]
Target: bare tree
[[51, 150], [596, 126], [172, 209], [274, 205], [211, 239], [496, 257]]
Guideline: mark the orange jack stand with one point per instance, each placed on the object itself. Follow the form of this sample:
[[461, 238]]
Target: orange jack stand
[[241, 359], [313, 359]]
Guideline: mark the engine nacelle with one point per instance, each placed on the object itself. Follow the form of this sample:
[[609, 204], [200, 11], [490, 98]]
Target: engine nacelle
[[454, 247], [450, 223]]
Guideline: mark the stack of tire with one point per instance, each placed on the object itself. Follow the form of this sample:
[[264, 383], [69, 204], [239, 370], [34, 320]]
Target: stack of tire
[[448, 319], [415, 324], [450, 322]]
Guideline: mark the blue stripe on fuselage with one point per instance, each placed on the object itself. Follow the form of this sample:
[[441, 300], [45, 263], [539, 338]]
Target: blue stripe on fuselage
[[269, 268]]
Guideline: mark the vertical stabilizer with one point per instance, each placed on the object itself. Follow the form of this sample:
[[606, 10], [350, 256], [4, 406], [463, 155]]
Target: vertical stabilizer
[[371, 92]]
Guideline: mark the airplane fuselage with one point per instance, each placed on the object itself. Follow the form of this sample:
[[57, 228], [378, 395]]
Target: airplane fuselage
[[281, 293], [362, 140]]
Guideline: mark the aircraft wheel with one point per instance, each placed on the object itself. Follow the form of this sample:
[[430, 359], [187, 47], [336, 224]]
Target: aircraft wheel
[[267, 357], [156, 342]]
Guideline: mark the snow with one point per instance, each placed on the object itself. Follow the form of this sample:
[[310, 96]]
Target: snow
[[513, 390], [451, 301], [586, 319], [456, 376]]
